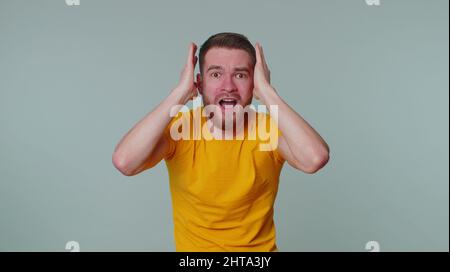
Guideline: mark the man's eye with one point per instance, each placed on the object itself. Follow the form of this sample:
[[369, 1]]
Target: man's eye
[[241, 75], [215, 74]]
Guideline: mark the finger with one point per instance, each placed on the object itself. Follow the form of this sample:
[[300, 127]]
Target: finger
[[194, 49], [258, 53], [194, 93], [266, 67], [191, 53], [264, 59], [195, 89]]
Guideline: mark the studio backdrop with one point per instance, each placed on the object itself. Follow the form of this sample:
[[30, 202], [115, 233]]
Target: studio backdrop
[[370, 76]]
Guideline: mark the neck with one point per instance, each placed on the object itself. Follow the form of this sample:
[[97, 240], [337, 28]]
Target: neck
[[219, 132]]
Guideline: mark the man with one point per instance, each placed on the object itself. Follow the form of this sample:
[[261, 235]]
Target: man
[[223, 191]]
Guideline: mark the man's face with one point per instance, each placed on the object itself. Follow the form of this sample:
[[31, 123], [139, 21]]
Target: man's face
[[227, 78]]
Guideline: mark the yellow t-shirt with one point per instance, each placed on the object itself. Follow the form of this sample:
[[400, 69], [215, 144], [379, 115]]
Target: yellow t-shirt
[[223, 193]]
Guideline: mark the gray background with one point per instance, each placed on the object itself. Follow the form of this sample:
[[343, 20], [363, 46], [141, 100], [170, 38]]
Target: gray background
[[372, 80]]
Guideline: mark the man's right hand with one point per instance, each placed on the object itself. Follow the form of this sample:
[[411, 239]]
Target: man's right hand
[[187, 86], [144, 145]]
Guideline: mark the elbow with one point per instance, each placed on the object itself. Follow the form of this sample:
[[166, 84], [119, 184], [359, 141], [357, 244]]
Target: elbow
[[121, 164], [318, 161]]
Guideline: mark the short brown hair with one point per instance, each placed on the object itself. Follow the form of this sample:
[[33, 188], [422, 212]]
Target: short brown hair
[[226, 40]]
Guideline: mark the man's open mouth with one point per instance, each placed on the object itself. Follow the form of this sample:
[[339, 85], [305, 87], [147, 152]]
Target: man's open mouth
[[228, 102]]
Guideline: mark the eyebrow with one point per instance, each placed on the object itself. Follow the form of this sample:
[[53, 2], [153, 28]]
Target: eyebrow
[[242, 69], [237, 69]]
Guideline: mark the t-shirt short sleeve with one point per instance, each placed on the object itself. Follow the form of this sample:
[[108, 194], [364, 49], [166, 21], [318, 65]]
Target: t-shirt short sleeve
[[172, 143], [270, 122], [276, 152]]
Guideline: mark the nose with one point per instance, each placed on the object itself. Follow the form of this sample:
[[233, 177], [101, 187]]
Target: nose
[[228, 84]]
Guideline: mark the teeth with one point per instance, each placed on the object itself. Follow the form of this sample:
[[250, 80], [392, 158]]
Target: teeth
[[228, 103]]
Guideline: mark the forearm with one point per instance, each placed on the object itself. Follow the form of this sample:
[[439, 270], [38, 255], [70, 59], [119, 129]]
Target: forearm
[[306, 145], [140, 141]]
